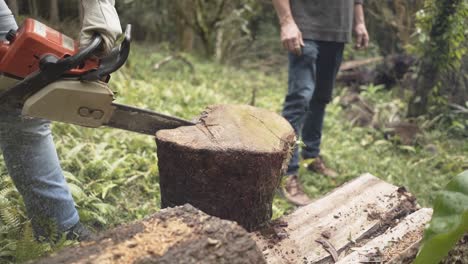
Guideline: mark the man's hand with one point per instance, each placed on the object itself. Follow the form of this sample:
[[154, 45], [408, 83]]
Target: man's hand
[[362, 37], [291, 37], [100, 17], [360, 30]]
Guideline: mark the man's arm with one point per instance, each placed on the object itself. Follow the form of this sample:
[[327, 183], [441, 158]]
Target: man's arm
[[100, 16], [291, 36], [360, 30]]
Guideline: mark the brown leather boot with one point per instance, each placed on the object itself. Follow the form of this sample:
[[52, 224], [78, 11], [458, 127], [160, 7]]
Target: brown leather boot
[[294, 192], [318, 166]]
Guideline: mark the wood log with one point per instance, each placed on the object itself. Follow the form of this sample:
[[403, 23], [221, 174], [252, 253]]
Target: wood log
[[176, 235], [349, 65], [228, 165], [388, 71], [325, 230], [395, 244]]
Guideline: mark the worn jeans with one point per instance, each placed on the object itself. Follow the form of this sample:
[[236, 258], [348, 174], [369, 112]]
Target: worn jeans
[[32, 162], [310, 87]]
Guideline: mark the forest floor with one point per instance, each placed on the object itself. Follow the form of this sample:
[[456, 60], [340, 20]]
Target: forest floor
[[113, 174]]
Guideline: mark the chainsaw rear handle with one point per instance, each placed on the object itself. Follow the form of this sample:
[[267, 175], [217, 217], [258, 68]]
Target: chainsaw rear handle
[[65, 64]]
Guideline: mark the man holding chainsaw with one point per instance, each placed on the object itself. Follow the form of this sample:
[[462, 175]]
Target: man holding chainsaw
[[314, 33], [27, 144]]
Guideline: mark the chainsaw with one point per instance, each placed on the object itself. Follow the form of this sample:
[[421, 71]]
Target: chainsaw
[[43, 74]]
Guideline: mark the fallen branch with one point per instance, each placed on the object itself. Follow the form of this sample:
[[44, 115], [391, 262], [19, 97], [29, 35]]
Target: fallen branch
[[349, 65], [170, 58]]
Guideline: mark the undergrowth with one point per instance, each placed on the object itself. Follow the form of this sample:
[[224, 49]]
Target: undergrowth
[[113, 174]]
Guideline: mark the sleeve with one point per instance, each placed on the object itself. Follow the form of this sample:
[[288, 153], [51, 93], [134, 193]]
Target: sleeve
[[100, 16], [7, 21], [358, 2]]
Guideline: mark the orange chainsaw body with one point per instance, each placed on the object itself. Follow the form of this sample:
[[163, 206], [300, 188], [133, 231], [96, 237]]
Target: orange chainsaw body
[[20, 56]]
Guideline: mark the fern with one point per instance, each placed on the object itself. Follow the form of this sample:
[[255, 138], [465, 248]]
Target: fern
[[28, 248]]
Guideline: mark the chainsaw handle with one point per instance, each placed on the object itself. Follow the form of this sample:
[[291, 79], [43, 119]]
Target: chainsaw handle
[[83, 54], [113, 61]]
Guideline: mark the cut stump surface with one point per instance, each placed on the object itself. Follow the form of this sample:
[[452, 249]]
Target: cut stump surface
[[228, 165]]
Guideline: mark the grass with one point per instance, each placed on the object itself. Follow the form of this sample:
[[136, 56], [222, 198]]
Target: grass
[[113, 174]]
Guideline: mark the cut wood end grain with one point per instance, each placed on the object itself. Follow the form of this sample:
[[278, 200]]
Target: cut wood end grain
[[234, 127]]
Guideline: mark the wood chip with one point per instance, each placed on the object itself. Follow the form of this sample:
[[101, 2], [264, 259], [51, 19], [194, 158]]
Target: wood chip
[[329, 248]]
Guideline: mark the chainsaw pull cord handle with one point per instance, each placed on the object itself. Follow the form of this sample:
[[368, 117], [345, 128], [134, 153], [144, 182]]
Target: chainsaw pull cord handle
[[51, 69]]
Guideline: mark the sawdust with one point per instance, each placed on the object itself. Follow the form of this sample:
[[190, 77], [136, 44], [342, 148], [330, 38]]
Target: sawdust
[[394, 252], [175, 235], [156, 239]]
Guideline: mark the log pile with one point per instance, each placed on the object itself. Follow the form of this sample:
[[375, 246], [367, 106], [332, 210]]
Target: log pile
[[365, 221]]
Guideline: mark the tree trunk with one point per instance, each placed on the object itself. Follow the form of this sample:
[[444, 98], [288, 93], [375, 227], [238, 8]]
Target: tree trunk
[[33, 8], [425, 83], [187, 39], [228, 165], [184, 29], [13, 5], [175, 235], [434, 57], [54, 12]]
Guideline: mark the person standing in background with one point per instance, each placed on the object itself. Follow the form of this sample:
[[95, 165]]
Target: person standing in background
[[314, 33]]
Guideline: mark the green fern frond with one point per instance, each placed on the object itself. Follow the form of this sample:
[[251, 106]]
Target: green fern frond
[[10, 217], [28, 248]]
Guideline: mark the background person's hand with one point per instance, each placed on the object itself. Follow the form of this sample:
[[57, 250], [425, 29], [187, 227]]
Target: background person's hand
[[291, 37], [362, 37], [100, 17]]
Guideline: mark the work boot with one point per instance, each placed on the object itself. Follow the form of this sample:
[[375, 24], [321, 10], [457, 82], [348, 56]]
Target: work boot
[[318, 166], [80, 233], [294, 192]]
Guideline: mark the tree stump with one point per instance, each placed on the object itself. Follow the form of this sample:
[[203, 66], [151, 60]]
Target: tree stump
[[228, 165], [175, 235]]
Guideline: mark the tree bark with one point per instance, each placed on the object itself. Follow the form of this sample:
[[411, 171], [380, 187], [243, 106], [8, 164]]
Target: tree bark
[[54, 11], [228, 165], [175, 235]]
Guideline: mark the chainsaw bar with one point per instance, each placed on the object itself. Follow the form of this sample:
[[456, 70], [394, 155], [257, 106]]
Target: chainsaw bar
[[143, 121]]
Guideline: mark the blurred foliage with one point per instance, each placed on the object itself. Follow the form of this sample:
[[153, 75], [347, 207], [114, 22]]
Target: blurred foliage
[[443, 43], [449, 221], [391, 23]]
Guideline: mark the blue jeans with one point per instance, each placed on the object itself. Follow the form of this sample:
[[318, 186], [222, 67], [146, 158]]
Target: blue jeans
[[310, 87], [32, 162]]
